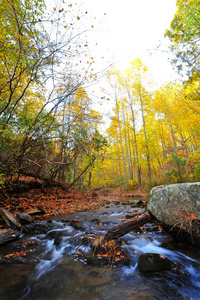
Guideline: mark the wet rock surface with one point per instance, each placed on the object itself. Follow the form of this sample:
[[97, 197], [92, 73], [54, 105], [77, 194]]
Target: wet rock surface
[[36, 228], [153, 262], [106, 261], [8, 235]]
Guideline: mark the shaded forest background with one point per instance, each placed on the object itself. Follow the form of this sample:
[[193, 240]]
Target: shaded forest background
[[49, 128]]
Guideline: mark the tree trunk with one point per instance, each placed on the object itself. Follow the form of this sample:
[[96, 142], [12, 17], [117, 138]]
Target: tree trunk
[[175, 149], [145, 136], [126, 143], [138, 170], [79, 176], [120, 136], [127, 226]]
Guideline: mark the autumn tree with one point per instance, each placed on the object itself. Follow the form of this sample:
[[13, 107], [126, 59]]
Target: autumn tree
[[184, 36], [134, 80], [44, 62]]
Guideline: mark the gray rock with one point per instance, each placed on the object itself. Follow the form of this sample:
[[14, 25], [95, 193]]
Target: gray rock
[[37, 228], [153, 262], [24, 218], [8, 235], [9, 219], [132, 215], [58, 238], [177, 205], [3, 260], [35, 212]]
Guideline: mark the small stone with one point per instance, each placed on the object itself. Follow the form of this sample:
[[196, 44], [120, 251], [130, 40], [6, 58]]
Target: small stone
[[41, 209]]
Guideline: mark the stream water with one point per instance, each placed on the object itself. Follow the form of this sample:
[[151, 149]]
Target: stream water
[[62, 274]]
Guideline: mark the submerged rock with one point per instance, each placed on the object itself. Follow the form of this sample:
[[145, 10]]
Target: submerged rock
[[135, 203], [101, 260], [153, 262], [77, 224]]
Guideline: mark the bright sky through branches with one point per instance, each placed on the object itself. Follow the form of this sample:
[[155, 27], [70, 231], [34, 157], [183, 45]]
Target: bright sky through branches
[[132, 28]]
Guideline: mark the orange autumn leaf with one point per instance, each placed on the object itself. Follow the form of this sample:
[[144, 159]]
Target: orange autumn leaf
[[15, 254], [116, 258]]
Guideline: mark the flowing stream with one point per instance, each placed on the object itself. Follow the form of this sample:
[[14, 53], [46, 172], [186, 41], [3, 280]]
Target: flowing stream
[[60, 273]]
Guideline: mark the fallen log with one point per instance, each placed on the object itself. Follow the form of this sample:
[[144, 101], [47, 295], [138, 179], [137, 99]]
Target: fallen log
[[127, 226]]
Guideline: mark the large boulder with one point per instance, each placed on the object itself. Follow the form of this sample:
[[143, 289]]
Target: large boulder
[[177, 206]]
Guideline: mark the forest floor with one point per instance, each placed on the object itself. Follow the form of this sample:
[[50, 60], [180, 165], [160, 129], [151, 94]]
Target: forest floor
[[26, 195]]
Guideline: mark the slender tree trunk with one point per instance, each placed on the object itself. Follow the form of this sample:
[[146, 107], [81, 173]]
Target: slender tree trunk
[[175, 150], [126, 143], [79, 176], [133, 156], [146, 142], [120, 171], [120, 136], [138, 169], [130, 154], [89, 179]]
